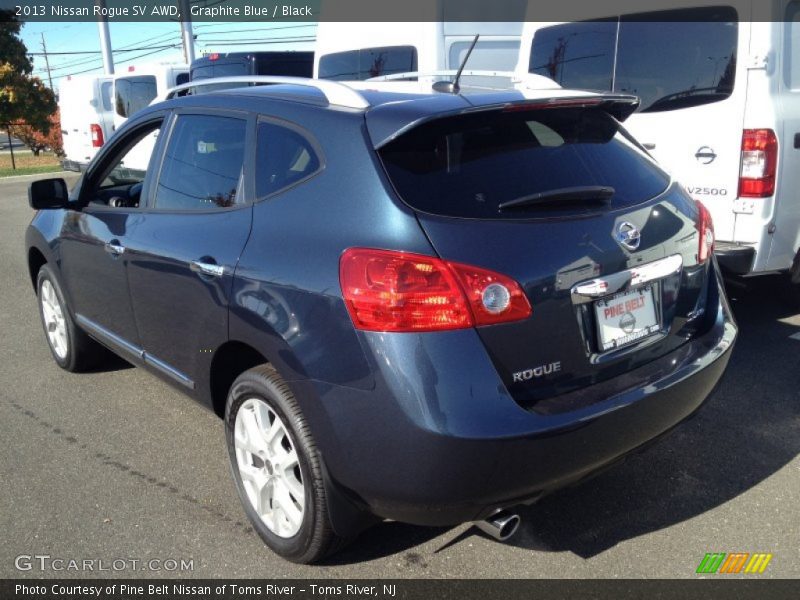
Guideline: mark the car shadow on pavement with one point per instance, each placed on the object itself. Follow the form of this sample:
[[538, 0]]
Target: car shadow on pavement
[[745, 433], [109, 363]]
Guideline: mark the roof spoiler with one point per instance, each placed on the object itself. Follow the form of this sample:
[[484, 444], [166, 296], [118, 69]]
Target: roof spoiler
[[387, 122], [619, 106]]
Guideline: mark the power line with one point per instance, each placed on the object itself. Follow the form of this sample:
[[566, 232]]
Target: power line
[[120, 62], [99, 51], [239, 41], [85, 61]]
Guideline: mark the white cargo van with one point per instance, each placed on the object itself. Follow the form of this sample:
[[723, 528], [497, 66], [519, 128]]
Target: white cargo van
[[359, 51], [87, 117], [720, 108], [135, 89]]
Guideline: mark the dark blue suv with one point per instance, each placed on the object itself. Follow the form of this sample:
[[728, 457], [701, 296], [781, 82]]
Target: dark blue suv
[[423, 307]]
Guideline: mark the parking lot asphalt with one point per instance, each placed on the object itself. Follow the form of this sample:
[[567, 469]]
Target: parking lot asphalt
[[115, 464]]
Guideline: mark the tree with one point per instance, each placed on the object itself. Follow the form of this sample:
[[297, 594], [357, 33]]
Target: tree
[[38, 140], [24, 100]]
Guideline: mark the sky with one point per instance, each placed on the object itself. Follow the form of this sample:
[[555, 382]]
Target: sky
[[150, 39]]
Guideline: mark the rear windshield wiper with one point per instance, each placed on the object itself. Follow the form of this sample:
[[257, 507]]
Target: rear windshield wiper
[[587, 193]]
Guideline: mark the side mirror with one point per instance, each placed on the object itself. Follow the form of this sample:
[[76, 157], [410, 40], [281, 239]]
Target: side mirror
[[48, 193]]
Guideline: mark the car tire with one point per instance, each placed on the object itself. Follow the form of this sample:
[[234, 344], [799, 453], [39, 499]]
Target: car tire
[[71, 348], [276, 468]]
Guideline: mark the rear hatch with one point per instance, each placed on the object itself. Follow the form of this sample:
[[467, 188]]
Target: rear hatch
[[557, 196]]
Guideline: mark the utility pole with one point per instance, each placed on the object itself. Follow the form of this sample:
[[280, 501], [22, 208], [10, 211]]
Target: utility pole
[[46, 62], [186, 31], [105, 39]]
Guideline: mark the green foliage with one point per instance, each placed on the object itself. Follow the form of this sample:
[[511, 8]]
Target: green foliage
[[12, 50], [24, 100]]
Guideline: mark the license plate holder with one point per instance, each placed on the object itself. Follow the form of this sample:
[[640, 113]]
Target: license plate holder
[[627, 317]]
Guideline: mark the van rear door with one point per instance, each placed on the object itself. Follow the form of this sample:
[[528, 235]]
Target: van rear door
[[688, 66]]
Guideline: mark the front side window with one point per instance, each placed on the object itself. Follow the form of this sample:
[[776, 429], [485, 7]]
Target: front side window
[[670, 59], [202, 164], [132, 94], [120, 183], [283, 158], [365, 63]]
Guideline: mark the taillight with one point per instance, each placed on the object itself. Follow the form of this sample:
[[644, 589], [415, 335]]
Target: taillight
[[399, 291], [705, 227], [759, 163], [97, 135]]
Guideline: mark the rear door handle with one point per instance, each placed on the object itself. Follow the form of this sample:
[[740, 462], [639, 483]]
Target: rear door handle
[[207, 268], [797, 140], [649, 146], [114, 248]]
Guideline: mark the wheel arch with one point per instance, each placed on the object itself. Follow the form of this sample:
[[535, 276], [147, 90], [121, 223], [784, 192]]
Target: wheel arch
[[230, 360], [36, 260]]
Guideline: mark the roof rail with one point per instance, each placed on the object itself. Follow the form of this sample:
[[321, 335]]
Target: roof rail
[[337, 94]]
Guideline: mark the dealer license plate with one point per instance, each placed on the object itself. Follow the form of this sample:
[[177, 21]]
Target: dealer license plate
[[626, 318]]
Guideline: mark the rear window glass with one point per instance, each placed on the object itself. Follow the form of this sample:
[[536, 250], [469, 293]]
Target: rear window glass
[[132, 94], [234, 68], [358, 65], [467, 166], [670, 59], [576, 55]]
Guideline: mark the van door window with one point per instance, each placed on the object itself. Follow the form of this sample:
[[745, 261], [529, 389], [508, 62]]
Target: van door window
[[576, 55], [685, 58], [365, 63], [105, 95], [494, 55], [202, 165], [670, 59], [132, 94]]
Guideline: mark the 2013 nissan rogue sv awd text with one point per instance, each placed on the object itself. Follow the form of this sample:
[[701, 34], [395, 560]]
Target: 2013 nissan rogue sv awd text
[[423, 307]]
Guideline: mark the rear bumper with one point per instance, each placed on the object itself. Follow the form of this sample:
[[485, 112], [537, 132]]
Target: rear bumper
[[735, 259], [439, 441]]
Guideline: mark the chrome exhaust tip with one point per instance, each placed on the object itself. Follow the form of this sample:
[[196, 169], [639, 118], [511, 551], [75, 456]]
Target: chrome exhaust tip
[[501, 525]]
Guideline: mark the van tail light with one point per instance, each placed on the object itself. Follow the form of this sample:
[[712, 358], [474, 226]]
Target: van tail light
[[97, 135], [402, 292], [759, 163], [705, 227]]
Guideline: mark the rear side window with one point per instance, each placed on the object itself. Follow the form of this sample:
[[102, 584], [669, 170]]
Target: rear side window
[[358, 65], [181, 78], [203, 164], [132, 94], [283, 158], [670, 59], [466, 166]]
